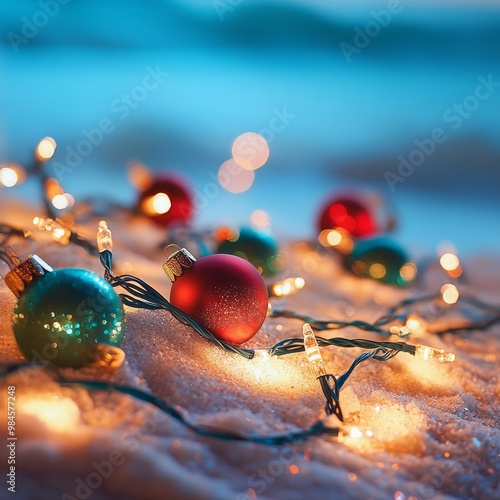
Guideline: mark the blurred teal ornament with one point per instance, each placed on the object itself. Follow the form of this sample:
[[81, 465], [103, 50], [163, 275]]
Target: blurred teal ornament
[[68, 317], [381, 259], [257, 247]]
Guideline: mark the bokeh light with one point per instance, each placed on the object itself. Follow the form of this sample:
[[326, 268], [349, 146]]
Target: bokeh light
[[449, 261], [159, 203], [62, 201], [250, 150], [450, 293], [234, 178], [139, 176], [260, 218], [10, 175], [45, 149], [58, 414]]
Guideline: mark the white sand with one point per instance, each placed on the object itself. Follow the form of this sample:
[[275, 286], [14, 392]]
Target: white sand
[[436, 426]]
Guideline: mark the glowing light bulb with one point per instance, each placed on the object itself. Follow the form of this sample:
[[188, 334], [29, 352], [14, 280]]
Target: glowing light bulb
[[263, 365], [449, 261], [408, 271], [450, 293], [427, 353], [401, 331], [10, 175], [45, 149], [58, 414], [287, 287], [451, 264], [157, 204], [352, 434], [416, 326], [56, 228], [60, 201], [377, 271], [261, 355], [104, 238], [338, 238], [161, 203], [313, 352]]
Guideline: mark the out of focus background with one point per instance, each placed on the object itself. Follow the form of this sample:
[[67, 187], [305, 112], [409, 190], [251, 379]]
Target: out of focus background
[[344, 93]]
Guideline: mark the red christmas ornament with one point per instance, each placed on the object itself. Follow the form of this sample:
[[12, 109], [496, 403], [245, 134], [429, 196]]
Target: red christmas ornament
[[223, 293], [168, 199], [359, 215]]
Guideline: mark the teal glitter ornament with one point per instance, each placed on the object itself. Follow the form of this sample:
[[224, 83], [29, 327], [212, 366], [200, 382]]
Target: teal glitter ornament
[[257, 247], [381, 259], [70, 317]]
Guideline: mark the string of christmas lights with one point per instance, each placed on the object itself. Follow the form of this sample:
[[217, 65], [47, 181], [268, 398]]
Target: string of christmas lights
[[56, 228], [142, 295], [411, 322], [54, 198], [344, 219], [318, 428]]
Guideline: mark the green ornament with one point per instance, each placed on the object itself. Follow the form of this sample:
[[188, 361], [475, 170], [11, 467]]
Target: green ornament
[[257, 247], [70, 317], [383, 260]]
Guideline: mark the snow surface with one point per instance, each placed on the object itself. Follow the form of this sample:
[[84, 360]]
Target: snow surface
[[436, 426]]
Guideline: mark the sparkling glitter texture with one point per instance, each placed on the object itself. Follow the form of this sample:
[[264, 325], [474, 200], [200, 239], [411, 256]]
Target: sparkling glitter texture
[[225, 294], [64, 313]]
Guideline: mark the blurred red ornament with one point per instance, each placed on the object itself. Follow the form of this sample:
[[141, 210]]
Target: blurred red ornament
[[361, 215], [167, 199], [223, 293]]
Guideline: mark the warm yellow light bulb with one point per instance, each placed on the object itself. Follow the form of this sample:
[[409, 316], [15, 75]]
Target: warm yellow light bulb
[[377, 271], [408, 271], [11, 175], [313, 352], [161, 203], [416, 326], [104, 237], [60, 202], [449, 262], [287, 287], [58, 414], [45, 149], [59, 232], [427, 352], [351, 434], [450, 293]]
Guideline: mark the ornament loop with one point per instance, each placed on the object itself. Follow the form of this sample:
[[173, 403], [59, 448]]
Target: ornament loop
[[177, 261]]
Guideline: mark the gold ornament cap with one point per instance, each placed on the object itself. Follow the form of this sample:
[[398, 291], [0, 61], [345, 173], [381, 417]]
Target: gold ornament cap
[[26, 273], [105, 357], [178, 259]]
